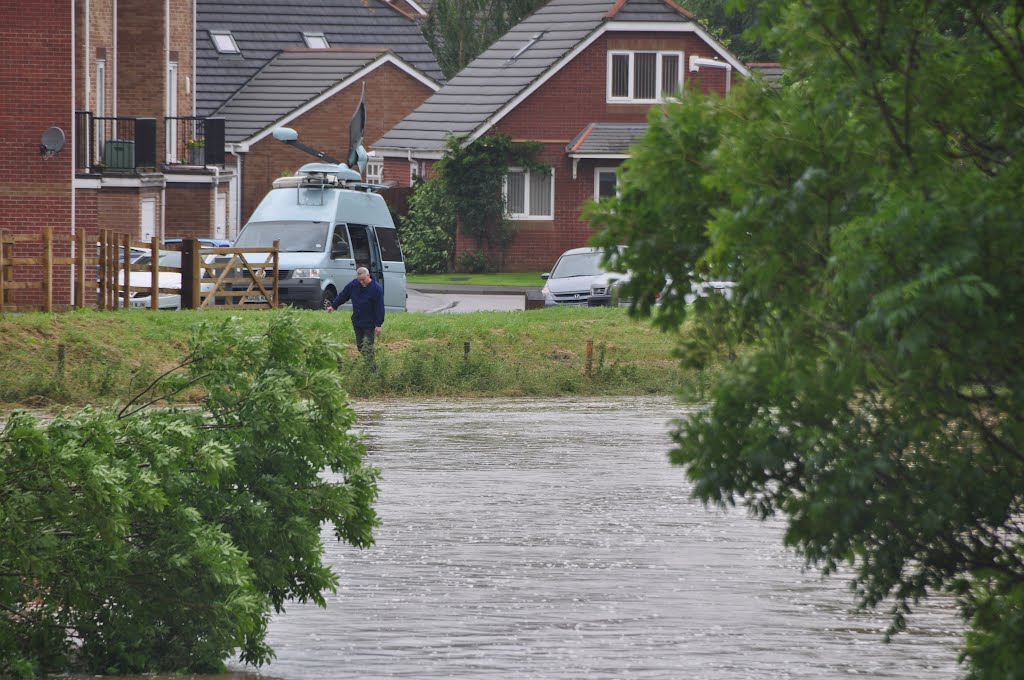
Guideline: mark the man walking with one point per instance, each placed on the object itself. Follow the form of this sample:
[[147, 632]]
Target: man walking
[[367, 298]]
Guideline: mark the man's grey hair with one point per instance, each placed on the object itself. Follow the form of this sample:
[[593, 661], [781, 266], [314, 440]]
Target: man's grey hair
[[362, 270]]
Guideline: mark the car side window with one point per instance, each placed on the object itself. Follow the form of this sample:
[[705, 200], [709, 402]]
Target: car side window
[[387, 239], [339, 243]]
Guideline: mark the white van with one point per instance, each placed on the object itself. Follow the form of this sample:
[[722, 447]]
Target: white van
[[327, 223]]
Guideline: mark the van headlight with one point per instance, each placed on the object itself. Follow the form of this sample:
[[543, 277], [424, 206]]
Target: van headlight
[[305, 273]]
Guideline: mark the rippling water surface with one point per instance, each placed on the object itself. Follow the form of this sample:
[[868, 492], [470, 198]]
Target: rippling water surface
[[552, 539]]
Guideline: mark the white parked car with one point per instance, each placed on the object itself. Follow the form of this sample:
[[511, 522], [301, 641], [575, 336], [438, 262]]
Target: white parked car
[[167, 280], [570, 280]]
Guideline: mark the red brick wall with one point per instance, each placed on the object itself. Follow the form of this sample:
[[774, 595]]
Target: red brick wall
[[35, 193], [391, 95], [189, 210], [141, 62]]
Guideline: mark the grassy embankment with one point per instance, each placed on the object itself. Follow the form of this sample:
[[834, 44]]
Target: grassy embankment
[[110, 356]]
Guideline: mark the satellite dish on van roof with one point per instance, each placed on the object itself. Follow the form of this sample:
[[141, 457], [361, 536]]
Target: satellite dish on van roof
[[51, 142]]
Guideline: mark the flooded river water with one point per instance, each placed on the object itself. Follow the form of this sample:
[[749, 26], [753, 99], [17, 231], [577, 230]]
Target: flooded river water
[[551, 539]]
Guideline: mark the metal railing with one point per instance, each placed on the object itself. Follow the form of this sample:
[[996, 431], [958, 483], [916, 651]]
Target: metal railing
[[129, 143], [194, 141]]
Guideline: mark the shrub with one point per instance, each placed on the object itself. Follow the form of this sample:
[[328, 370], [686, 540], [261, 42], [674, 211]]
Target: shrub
[[428, 230]]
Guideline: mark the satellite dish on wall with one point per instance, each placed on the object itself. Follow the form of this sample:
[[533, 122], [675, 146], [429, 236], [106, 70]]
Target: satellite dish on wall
[[51, 142]]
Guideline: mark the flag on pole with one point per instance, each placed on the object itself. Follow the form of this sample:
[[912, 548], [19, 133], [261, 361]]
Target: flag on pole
[[357, 157]]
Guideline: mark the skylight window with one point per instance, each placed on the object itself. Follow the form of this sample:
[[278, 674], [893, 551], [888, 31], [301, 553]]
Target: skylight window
[[224, 42], [315, 41]]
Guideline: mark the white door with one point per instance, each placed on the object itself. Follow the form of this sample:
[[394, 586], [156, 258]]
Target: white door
[[148, 226], [220, 215], [171, 132]]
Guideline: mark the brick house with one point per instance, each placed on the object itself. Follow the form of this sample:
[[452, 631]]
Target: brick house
[[305, 67], [578, 76], [113, 76]]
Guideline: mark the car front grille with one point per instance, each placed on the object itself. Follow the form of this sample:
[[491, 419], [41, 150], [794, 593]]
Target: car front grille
[[572, 298]]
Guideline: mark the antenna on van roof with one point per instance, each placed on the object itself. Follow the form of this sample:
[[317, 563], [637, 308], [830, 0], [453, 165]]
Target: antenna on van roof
[[291, 138]]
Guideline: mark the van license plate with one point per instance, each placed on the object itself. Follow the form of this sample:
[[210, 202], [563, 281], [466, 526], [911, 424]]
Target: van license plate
[[256, 298]]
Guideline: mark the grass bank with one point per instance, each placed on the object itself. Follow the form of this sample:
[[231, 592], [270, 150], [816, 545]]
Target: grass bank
[[89, 357]]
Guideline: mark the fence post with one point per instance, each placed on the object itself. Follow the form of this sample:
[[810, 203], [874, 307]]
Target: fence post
[[126, 244], [80, 271], [103, 269], [590, 356], [190, 274], [465, 350], [277, 273], [154, 274], [48, 270]]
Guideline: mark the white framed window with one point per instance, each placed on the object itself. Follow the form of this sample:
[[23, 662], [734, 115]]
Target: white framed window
[[644, 77], [316, 40], [530, 195], [606, 183], [414, 171], [101, 88], [224, 42], [375, 171]]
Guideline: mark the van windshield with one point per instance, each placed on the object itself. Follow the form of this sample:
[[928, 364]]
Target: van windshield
[[294, 236]]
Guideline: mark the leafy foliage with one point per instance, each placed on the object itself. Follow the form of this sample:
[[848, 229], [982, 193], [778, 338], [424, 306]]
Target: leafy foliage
[[428, 229], [869, 212], [458, 31], [735, 25], [160, 539], [473, 176]]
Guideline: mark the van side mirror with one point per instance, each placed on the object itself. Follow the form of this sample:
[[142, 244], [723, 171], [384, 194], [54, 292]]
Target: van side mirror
[[339, 250]]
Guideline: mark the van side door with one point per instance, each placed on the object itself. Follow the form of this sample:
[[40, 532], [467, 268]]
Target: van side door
[[394, 267], [363, 242]]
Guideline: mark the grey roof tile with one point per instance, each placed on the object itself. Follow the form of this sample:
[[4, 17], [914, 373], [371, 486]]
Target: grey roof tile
[[263, 28], [496, 77], [288, 81]]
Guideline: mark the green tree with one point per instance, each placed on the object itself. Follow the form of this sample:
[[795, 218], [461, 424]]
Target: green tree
[[161, 539], [458, 31], [735, 25], [428, 229], [869, 374]]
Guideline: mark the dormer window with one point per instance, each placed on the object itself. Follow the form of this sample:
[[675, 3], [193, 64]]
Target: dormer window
[[224, 42], [316, 41], [644, 77]]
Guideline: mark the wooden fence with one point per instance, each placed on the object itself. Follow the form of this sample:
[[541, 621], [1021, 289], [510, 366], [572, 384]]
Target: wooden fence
[[102, 266]]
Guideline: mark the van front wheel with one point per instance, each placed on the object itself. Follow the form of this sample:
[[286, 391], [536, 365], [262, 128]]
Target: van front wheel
[[327, 297]]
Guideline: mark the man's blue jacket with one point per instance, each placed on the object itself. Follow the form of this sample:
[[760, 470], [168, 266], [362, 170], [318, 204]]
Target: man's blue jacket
[[367, 303]]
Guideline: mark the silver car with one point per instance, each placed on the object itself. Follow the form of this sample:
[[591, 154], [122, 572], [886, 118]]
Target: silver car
[[569, 281]]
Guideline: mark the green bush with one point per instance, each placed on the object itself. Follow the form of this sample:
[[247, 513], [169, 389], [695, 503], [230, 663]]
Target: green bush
[[472, 261], [143, 540], [428, 230]]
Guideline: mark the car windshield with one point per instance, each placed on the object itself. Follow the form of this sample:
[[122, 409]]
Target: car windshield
[[294, 237], [580, 264]]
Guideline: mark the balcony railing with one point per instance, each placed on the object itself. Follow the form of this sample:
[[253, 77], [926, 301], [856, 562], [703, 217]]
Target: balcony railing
[[194, 141], [128, 143]]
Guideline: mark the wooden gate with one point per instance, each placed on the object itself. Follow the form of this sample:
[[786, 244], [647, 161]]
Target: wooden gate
[[229, 277]]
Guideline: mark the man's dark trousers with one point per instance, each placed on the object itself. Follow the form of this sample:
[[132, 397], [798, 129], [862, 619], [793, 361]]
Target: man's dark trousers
[[365, 338]]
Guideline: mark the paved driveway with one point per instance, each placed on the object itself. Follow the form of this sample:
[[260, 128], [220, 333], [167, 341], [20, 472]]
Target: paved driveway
[[455, 303]]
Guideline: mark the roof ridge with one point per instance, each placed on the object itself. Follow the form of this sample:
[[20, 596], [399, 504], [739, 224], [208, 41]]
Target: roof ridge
[[619, 4]]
